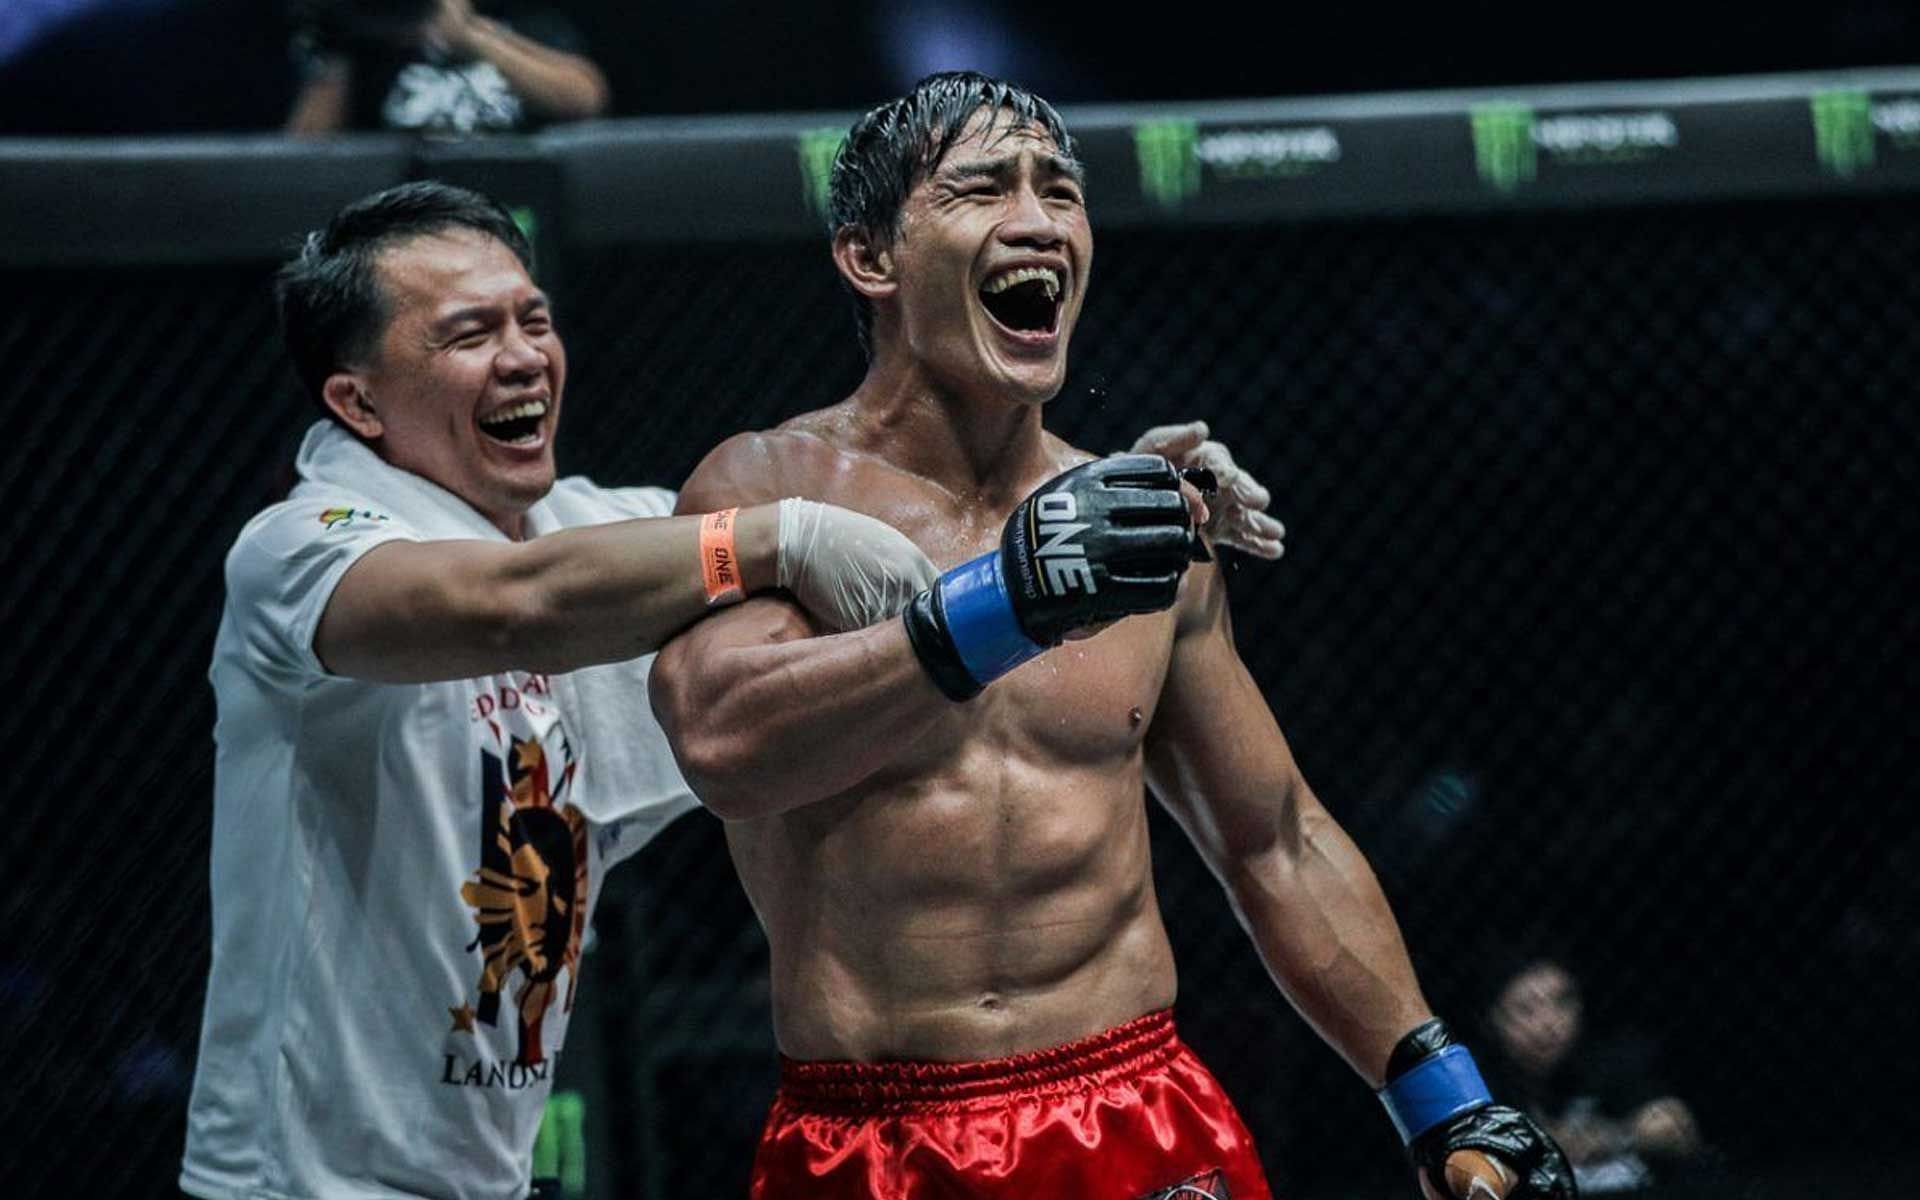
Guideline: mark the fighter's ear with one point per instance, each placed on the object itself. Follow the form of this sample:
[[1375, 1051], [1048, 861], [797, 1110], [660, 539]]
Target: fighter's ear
[[347, 397], [866, 264]]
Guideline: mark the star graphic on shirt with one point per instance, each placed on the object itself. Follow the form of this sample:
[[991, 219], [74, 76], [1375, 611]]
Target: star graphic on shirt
[[462, 1019]]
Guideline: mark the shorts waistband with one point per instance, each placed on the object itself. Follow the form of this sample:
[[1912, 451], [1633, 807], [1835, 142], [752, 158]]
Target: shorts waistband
[[1143, 1042]]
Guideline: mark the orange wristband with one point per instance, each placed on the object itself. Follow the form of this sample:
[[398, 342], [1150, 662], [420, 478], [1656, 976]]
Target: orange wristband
[[719, 565]]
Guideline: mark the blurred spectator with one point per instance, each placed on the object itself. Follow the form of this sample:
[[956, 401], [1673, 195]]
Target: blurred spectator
[[1598, 1097], [439, 67]]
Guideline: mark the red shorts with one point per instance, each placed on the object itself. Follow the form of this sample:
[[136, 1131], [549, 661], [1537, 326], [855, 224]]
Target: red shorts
[[1122, 1115]]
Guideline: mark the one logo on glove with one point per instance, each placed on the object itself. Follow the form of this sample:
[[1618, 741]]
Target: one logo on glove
[[1063, 560]]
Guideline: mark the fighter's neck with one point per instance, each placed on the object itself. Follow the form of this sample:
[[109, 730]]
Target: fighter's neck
[[970, 445]]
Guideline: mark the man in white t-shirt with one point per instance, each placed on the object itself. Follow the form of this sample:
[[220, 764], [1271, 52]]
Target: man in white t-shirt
[[422, 770], [433, 733]]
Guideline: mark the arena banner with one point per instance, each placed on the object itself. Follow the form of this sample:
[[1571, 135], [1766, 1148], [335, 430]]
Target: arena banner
[[519, 174], [726, 179], [1551, 147], [180, 200], [691, 179]]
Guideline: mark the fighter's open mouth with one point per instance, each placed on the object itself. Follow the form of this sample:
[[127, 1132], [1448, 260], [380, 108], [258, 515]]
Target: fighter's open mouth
[[1026, 300], [515, 423]]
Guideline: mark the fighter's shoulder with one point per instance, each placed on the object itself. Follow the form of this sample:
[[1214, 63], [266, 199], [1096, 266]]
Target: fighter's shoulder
[[762, 465], [1065, 455]]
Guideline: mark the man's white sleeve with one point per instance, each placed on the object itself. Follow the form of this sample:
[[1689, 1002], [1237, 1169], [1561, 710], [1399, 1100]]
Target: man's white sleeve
[[284, 566]]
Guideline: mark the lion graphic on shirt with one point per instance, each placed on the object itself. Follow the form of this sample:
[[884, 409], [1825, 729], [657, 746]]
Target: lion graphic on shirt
[[530, 894]]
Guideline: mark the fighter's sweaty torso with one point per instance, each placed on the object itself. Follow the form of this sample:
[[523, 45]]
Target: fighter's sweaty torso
[[990, 891]]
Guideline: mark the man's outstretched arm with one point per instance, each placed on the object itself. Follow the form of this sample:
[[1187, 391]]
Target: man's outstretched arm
[[414, 611], [410, 612]]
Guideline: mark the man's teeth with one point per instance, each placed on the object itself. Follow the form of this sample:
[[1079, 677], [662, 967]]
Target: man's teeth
[[516, 412], [1020, 275]]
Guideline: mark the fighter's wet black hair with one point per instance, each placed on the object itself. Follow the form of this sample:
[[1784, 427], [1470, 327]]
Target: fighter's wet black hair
[[332, 307], [891, 149]]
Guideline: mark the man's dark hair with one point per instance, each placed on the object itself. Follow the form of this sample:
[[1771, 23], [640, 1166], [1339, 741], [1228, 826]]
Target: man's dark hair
[[332, 307], [890, 150]]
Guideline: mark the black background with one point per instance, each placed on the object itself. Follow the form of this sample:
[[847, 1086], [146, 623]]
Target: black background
[[224, 65]]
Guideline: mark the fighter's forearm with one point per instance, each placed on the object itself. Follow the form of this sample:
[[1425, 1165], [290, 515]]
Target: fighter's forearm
[[769, 726], [1327, 936]]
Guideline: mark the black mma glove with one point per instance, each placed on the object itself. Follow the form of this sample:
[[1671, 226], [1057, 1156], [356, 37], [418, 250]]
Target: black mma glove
[[1439, 1104], [1104, 540]]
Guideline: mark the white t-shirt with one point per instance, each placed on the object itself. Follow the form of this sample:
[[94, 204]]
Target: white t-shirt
[[402, 876]]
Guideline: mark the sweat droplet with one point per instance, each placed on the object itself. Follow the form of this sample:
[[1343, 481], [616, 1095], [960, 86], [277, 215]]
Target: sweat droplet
[[1136, 716]]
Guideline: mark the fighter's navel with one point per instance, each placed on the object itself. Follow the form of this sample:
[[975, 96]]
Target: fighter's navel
[[990, 1003], [1135, 716]]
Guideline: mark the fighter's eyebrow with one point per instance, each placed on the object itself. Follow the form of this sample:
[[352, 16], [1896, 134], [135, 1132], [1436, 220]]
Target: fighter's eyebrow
[[1000, 168], [977, 168], [1060, 164]]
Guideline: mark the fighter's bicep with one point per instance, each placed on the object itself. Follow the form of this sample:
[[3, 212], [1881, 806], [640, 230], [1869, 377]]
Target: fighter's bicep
[[1215, 755]]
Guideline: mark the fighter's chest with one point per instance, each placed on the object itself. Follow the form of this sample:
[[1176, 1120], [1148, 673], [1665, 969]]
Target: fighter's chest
[[1085, 699]]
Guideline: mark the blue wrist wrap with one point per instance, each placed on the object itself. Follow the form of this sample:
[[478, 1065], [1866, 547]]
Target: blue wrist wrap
[[980, 619], [1441, 1087]]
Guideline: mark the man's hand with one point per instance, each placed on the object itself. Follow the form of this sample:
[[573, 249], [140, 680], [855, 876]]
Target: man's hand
[[1104, 540], [1239, 512], [450, 27], [1492, 1153], [845, 568], [1464, 1146]]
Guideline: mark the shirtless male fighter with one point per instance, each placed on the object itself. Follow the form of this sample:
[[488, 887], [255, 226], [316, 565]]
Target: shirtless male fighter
[[971, 982]]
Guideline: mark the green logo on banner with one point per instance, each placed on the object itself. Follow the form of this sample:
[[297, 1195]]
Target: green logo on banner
[[524, 217], [560, 1148], [1843, 130], [1169, 161], [818, 148], [1503, 149]]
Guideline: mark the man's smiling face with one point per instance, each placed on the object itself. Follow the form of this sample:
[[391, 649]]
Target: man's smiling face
[[466, 378]]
